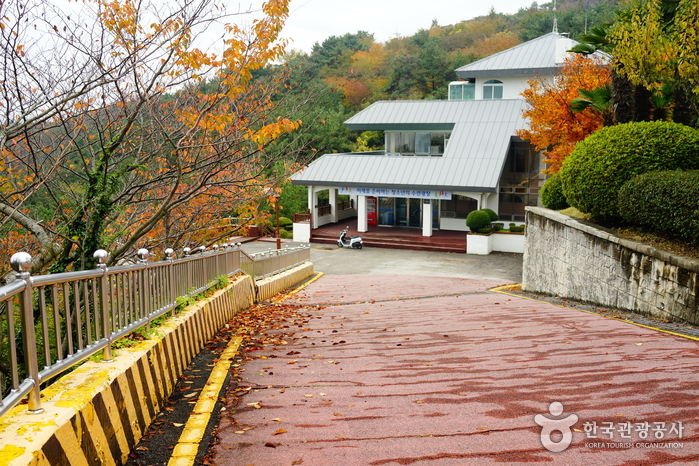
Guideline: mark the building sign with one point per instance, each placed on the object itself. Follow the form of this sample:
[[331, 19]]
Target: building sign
[[411, 193]]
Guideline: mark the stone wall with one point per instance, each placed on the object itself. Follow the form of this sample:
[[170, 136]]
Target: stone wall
[[575, 259]]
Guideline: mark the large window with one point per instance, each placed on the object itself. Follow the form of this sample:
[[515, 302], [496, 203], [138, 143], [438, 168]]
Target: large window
[[416, 143], [492, 89], [462, 90], [520, 182], [458, 206]]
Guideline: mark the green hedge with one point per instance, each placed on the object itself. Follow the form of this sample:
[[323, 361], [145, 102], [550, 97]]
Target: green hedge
[[477, 219], [666, 202], [491, 213], [552, 196], [595, 171]]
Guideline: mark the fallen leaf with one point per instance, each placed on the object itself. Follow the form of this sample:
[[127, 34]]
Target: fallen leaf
[[309, 396], [298, 461], [271, 445], [482, 428], [177, 424], [277, 419], [280, 431], [638, 344], [142, 448]]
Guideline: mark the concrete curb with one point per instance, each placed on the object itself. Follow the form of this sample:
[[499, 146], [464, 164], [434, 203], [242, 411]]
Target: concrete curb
[[97, 413]]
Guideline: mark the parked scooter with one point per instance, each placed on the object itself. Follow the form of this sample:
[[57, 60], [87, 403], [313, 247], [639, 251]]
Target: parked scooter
[[354, 241]]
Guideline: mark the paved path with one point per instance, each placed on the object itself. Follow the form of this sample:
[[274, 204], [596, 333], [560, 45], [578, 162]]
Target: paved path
[[415, 370], [332, 260]]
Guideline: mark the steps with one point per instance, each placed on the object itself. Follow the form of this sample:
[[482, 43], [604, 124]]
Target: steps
[[393, 241]]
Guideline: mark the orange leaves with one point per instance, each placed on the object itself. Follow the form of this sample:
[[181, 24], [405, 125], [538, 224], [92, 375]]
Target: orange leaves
[[553, 126], [274, 130]]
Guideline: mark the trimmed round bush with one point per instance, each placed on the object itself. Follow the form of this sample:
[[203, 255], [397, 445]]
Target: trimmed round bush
[[491, 213], [477, 219], [666, 202], [551, 194], [286, 223], [598, 167]]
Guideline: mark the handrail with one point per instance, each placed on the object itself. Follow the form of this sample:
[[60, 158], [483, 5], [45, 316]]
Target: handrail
[[62, 319]]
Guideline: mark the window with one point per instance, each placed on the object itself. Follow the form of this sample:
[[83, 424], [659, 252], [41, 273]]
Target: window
[[414, 143], [520, 181], [458, 206], [492, 89], [462, 90]]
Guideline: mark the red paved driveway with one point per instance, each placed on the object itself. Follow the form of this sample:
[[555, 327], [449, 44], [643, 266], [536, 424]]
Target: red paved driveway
[[393, 377]]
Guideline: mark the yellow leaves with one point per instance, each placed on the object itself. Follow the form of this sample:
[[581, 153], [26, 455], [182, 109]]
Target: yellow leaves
[[274, 130]]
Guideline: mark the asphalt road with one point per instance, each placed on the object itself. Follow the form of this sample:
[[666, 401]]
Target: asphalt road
[[332, 260]]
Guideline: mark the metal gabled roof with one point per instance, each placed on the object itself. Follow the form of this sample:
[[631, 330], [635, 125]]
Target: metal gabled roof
[[472, 161], [535, 57]]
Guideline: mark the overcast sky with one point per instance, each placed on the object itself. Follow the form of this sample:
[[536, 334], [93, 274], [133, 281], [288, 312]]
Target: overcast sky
[[313, 21]]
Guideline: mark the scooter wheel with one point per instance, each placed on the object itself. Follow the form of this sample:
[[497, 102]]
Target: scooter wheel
[[360, 246], [339, 244]]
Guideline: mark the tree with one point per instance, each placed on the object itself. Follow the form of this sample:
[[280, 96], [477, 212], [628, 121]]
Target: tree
[[655, 45], [116, 128], [553, 126]]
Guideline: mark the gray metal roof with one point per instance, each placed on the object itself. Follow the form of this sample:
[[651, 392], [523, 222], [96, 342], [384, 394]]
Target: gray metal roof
[[472, 161], [533, 58]]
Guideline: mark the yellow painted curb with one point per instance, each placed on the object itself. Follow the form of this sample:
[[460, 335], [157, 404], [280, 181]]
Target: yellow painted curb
[[185, 451], [503, 290], [282, 297]]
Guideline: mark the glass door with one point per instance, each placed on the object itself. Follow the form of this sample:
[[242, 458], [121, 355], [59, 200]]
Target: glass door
[[414, 212], [386, 212], [401, 212]]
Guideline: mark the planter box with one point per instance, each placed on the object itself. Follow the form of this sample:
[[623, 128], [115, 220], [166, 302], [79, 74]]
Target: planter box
[[479, 244], [499, 241]]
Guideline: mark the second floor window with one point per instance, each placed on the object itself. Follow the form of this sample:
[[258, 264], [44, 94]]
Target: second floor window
[[492, 89]]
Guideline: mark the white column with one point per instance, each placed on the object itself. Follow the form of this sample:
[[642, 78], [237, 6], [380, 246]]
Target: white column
[[332, 195], [426, 217], [362, 225], [312, 203]]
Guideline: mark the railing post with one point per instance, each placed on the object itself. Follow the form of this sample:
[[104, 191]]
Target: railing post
[[21, 263], [170, 257], [101, 255], [143, 254]]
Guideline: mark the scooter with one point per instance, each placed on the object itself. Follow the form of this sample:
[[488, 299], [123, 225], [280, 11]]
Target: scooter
[[354, 241]]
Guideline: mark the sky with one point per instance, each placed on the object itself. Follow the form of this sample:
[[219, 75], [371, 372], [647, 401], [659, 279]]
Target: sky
[[313, 21]]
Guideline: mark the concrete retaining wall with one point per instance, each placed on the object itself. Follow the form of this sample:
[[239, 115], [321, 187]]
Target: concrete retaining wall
[[575, 259], [274, 285], [97, 413]]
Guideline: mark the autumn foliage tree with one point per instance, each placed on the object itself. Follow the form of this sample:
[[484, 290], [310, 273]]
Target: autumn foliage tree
[[124, 126], [554, 127]]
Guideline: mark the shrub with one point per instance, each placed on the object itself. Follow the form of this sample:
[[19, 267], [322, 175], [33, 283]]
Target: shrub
[[484, 230], [285, 223], [498, 226], [477, 219], [666, 202], [595, 171], [552, 196], [491, 213]]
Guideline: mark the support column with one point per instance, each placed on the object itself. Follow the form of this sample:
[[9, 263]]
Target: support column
[[427, 217], [332, 195], [312, 203], [362, 224]]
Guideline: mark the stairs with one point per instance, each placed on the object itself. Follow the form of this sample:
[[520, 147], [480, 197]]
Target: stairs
[[393, 238]]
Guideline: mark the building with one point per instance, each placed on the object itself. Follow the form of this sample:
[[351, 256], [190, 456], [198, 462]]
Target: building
[[443, 159]]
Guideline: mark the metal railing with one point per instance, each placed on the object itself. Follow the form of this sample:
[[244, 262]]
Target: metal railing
[[55, 321]]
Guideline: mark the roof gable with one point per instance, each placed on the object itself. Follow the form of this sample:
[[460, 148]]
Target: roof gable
[[535, 57]]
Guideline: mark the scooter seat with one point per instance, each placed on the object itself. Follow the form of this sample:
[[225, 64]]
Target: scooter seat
[[355, 237]]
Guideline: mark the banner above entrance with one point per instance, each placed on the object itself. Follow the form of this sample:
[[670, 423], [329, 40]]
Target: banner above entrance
[[411, 193]]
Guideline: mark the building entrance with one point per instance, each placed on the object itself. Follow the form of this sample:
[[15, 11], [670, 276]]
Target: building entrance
[[404, 212]]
